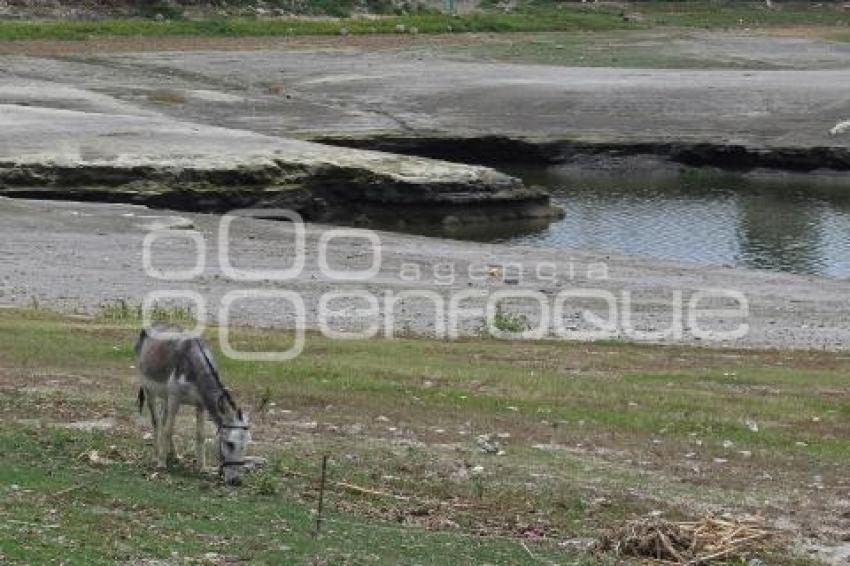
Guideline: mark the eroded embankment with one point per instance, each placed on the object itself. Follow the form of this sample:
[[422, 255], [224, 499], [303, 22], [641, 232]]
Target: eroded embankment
[[62, 154], [492, 150], [322, 193]]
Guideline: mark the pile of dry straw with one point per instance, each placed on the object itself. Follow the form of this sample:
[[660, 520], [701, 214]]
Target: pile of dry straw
[[696, 542]]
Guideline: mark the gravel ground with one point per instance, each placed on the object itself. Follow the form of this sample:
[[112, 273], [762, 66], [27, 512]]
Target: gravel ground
[[77, 257]]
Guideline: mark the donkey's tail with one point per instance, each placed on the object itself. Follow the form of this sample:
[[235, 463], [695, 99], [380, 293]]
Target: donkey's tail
[[141, 399], [138, 345]]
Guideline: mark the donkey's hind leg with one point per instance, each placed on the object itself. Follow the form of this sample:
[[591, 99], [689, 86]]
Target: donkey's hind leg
[[200, 453], [165, 440], [150, 401], [159, 439]]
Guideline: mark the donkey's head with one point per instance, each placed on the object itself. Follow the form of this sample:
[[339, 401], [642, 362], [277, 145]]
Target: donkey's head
[[233, 438]]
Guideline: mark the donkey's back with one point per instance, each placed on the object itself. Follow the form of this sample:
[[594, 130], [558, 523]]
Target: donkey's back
[[158, 351], [173, 362]]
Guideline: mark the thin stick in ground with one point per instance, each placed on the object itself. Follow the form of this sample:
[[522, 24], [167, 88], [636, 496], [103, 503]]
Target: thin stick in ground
[[321, 495]]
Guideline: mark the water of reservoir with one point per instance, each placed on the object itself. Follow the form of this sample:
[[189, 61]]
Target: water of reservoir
[[798, 224]]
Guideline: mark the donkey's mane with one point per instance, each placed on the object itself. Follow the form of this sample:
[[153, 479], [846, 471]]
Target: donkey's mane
[[215, 374], [213, 406]]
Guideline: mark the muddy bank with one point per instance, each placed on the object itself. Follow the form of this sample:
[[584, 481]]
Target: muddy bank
[[494, 150]]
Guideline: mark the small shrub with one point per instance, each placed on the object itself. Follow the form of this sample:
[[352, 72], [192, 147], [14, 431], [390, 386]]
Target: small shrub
[[509, 322], [265, 484], [121, 311]]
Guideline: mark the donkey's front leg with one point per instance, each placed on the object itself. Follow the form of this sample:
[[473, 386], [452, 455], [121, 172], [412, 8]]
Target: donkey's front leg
[[200, 453], [150, 401], [166, 427]]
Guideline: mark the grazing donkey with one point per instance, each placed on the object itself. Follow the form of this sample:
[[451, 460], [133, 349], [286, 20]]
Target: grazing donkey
[[177, 368]]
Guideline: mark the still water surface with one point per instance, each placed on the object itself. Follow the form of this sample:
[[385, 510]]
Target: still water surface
[[799, 225]]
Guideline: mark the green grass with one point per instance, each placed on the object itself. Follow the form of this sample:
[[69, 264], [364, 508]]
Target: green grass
[[680, 400], [535, 20], [400, 418], [56, 508], [532, 16], [122, 311], [632, 49], [734, 14]]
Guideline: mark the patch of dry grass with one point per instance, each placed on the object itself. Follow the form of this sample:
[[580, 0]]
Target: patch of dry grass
[[166, 96]]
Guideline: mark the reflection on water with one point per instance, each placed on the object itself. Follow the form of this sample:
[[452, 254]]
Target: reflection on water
[[780, 233], [797, 225]]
